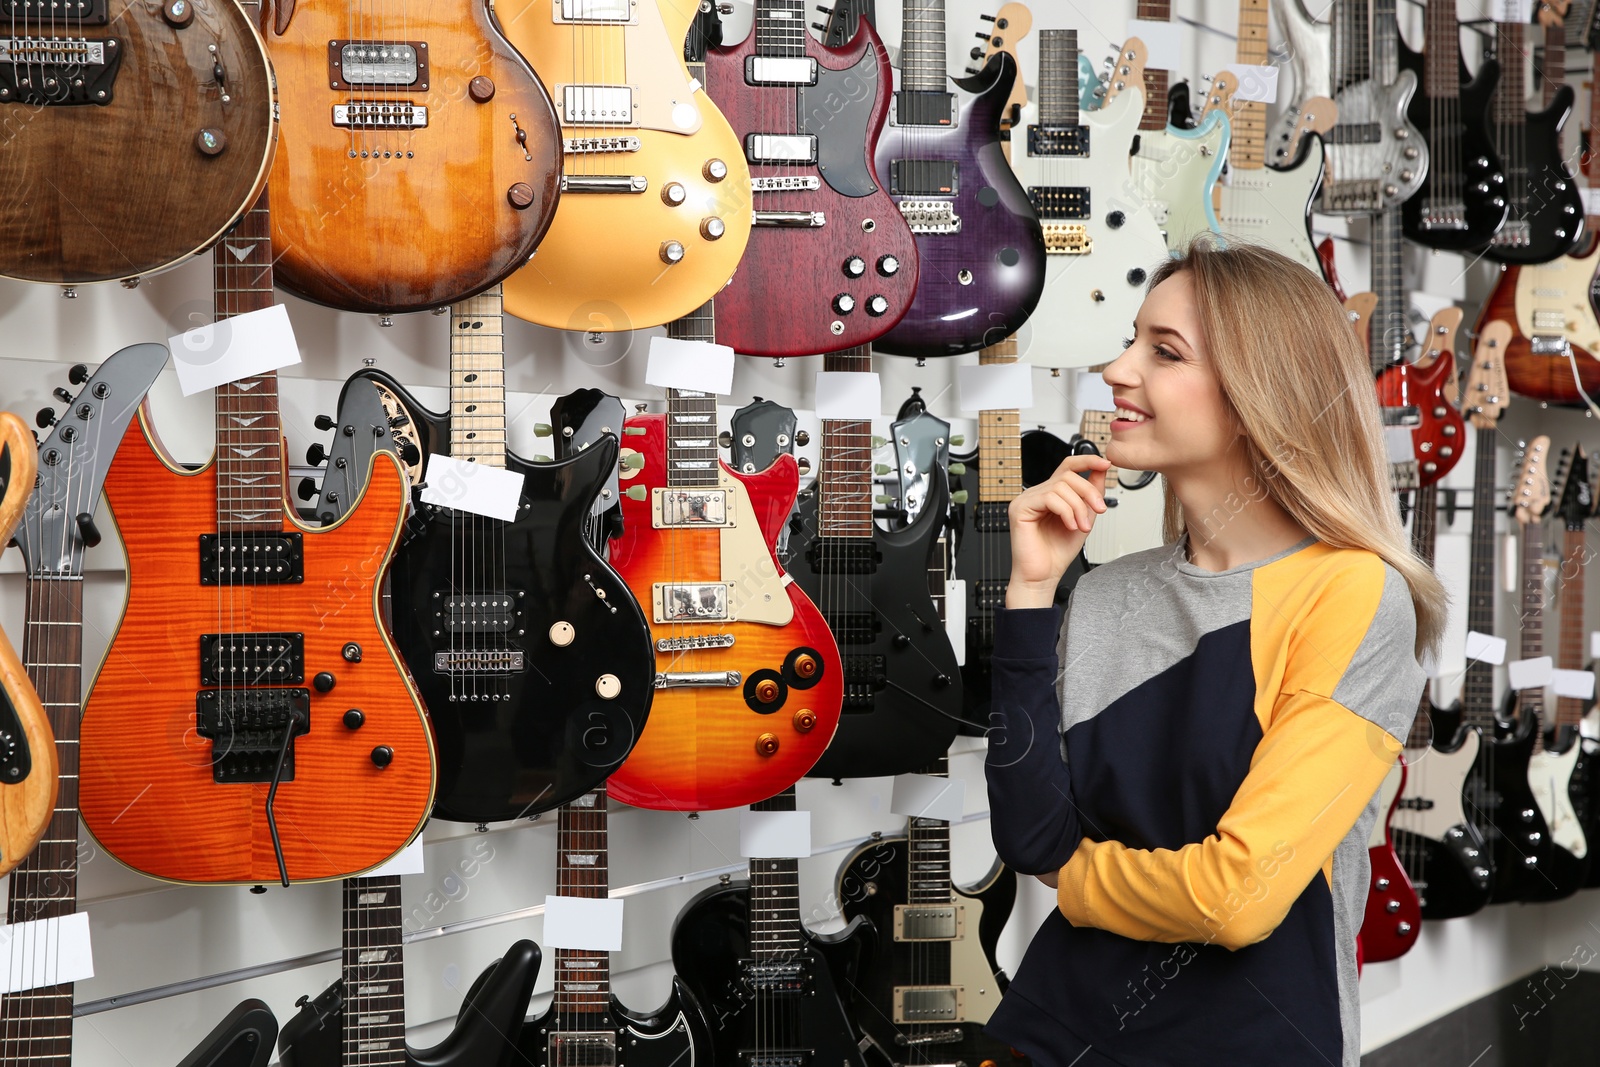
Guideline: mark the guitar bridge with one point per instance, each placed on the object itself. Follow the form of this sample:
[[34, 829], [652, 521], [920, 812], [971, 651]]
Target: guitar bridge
[[245, 728], [1550, 345], [1067, 239], [58, 70], [931, 216], [379, 115]]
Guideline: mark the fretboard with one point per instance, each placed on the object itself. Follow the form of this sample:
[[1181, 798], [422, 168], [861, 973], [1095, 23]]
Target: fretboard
[[775, 895], [1441, 55], [583, 977], [1351, 43], [1385, 42], [692, 415], [1478, 687], [999, 437], [374, 973], [1155, 80], [249, 434], [1248, 147], [844, 482], [1569, 710], [478, 380], [781, 27], [1390, 329], [1531, 624], [928, 846], [1424, 531], [1058, 77], [1552, 65], [922, 56], [1511, 92]]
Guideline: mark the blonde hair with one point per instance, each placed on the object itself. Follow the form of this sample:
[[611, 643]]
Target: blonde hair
[[1300, 385]]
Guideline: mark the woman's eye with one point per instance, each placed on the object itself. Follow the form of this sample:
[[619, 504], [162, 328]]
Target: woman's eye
[[1167, 353]]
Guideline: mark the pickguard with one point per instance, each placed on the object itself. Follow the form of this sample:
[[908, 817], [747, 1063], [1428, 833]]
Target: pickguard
[[1552, 299], [1550, 776], [759, 593], [1263, 205], [1433, 785], [969, 969], [1174, 172], [837, 113]]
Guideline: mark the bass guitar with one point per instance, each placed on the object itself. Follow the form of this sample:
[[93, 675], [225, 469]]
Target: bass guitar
[[256, 722], [420, 157], [776, 989], [1393, 913], [748, 677], [586, 1023], [1462, 203], [111, 169], [1575, 506], [1420, 396], [831, 260], [57, 528]]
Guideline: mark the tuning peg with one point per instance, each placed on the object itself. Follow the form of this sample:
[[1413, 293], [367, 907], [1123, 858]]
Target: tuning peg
[[543, 429], [323, 422], [879, 442], [883, 499], [307, 488], [725, 439], [78, 374], [802, 438], [61, 395], [958, 468], [634, 431], [633, 462], [316, 455], [958, 497], [636, 492], [973, 70], [959, 439], [980, 35], [976, 53], [45, 418], [819, 27], [542, 458], [987, 18], [881, 468], [88, 530]]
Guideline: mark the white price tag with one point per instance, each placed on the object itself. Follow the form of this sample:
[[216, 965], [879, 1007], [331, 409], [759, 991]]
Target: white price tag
[[696, 365], [1257, 84], [234, 348], [1591, 200], [848, 394], [1162, 42], [928, 796], [774, 835], [583, 922], [407, 861], [1530, 673], [46, 952], [995, 387], [472, 487], [1579, 684], [1091, 393], [1485, 648], [955, 616], [1511, 10], [1401, 445], [1594, 644]]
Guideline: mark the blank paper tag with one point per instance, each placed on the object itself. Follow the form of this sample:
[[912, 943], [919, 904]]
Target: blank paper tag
[[995, 387], [407, 861], [697, 365], [1401, 445], [1257, 84], [774, 835], [1594, 644], [238, 347], [1091, 393], [1511, 10], [955, 616], [583, 922], [928, 796], [1591, 201], [849, 394], [1578, 684], [1532, 673], [472, 487], [1162, 41], [46, 952], [1485, 648]]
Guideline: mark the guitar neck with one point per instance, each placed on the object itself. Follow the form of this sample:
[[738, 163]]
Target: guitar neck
[[1248, 145], [1569, 710], [1531, 623], [845, 479], [1424, 534], [928, 852], [780, 28], [1058, 77], [1155, 80], [922, 49], [1096, 426], [374, 973], [249, 433], [692, 415], [1553, 65], [478, 380], [775, 896], [1385, 42], [1478, 687], [1351, 43], [1511, 91], [1441, 54], [999, 437], [1390, 330], [583, 977]]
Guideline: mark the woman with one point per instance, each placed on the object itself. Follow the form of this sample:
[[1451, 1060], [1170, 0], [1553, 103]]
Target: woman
[[1227, 705]]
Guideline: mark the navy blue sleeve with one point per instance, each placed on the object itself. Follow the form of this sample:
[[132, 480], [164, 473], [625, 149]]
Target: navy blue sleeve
[[1031, 814]]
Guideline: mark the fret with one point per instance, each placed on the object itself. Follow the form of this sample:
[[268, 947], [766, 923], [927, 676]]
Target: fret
[[844, 481], [774, 896], [1441, 56], [583, 870], [922, 52], [1385, 42], [692, 457], [1531, 628], [1478, 686], [1351, 43], [1570, 710], [1511, 92], [780, 28], [1552, 64], [1248, 145], [999, 437], [1058, 77], [477, 379], [1389, 331], [1155, 79], [374, 971]]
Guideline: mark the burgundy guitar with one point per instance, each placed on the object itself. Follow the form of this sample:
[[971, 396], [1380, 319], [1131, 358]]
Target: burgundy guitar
[[1421, 396], [831, 261]]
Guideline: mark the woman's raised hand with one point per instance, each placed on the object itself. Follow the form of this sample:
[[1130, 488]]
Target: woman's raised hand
[[1049, 523]]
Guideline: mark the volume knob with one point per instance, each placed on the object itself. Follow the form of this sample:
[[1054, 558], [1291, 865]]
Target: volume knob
[[844, 303], [855, 267], [382, 756]]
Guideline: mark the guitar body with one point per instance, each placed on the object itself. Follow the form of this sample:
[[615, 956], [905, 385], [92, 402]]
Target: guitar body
[[1393, 916], [977, 285], [243, 1039], [1074, 328], [1589, 735], [1516, 829], [711, 939], [148, 792], [121, 185], [1550, 311], [1310, 50], [1363, 166], [1175, 172], [601, 265], [712, 740], [493, 1010], [1547, 221], [1133, 524], [395, 218], [1458, 209], [1437, 436], [1450, 872], [981, 532], [515, 742], [902, 697], [1559, 782], [783, 300], [674, 1035], [1262, 205]]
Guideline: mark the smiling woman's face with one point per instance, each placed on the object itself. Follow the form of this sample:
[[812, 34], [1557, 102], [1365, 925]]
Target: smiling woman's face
[[1171, 413]]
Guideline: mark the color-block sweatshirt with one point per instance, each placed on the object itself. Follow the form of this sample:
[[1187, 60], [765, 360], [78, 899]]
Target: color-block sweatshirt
[[1198, 755]]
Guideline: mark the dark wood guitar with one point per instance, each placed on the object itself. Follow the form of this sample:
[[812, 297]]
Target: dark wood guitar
[[257, 721], [110, 169], [1462, 203], [421, 157]]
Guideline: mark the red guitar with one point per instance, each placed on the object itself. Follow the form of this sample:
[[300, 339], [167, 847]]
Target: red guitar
[[1422, 396], [1394, 915]]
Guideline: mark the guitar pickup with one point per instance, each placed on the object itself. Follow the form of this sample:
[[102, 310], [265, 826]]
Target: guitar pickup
[[671, 508], [1060, 201], [252, 558], [920, 922], [923, 108], [400, 66], [58, 70], [614, 12], [583, 1048], [1058, 140], [477, 613], [690, 601], [596, 105], [252, 659], [780, 70], [929, 1004], [924, 177], [378, 115], [780, 148]]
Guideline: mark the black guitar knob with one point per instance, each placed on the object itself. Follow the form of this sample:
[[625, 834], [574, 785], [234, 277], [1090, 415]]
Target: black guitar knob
[[353, 719], [323, 682], [1136, 276], [902, 641], [316, 455], [1116, 219], [306, 489], [941, 680], [383, 755]]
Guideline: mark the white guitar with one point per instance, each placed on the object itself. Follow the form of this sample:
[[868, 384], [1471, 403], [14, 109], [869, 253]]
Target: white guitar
[[1132, 519]]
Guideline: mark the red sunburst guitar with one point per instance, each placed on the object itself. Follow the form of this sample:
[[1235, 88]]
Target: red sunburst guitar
[[251, 719]]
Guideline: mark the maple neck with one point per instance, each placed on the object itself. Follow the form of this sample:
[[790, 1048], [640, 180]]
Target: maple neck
[[1248, 145], [999, 437], [478, 380], [845, 479], [928, 852], [1441, 51], [1478, 687], [1155, 80], [1058, 77], [249, 433], [374, 973], [583, 977], [775, 895], [922, 55], [780, 27], [1553, 65], [1569, 710], [692, 415], [1390, 331], [1511, 92], [1531, 546], [1424, 534]]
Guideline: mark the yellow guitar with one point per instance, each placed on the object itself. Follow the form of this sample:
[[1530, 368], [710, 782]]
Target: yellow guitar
[[654, 212]]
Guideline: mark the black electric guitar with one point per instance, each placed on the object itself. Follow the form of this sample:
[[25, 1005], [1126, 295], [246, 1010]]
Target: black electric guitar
[[925, 993], [775, 989], [580, 420], [533, 658], [586, 1025], [242, 1039], [1575, 506], [902, 701], [361, 1018]]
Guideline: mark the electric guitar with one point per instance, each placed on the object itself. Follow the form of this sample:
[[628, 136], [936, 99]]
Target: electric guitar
[[655, 178], [420, 157], [1575, 505], [1462, 203], [242, 1039], [361, 1018], [774, 988], [1393, 914], [1421, 396], [586, 1023], [57, 528], [748, 677], [136, 135], [831, 260], [281, 704]]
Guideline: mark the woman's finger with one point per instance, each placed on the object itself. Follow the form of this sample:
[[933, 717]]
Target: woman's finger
[[1081, 508], [1083, 487]]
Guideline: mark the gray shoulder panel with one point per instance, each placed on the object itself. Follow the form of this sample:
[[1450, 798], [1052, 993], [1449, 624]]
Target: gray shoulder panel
[[1384, 681]]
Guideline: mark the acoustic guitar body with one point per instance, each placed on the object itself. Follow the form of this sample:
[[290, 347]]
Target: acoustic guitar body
[[412, 178], [151, 793], [655, 201], [126, 155]]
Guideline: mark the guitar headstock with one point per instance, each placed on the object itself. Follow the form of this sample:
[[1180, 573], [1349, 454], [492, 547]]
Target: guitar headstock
[[1442, 331], [1571, 490], [704, 32], [1317, 115], [762, 431], [582, 418], [1358, 309], [1128, 71], [1009, 25], [1219, 96], [1486, 393], [1530, 494], [58, 523], [921, 447], [360, 430]]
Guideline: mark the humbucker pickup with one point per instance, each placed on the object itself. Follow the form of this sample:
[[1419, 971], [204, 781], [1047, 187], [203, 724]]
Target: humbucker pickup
[[1058, 140], [251, 558], [379, 115], [597, 105], [993, 516], [674, 507], [690, 601], [491, 661], [245, 727], [844, 555], [923, 177], [854, 627], [582, 1048], [612, 11], [928, 1004], [1060, 201], [780, 70], [780, 148], [252, 659], [791, 975], [58, 70], [923, 108], [401, 66], [990, 594], [1355, 133], [477, 613], [923, 922]]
